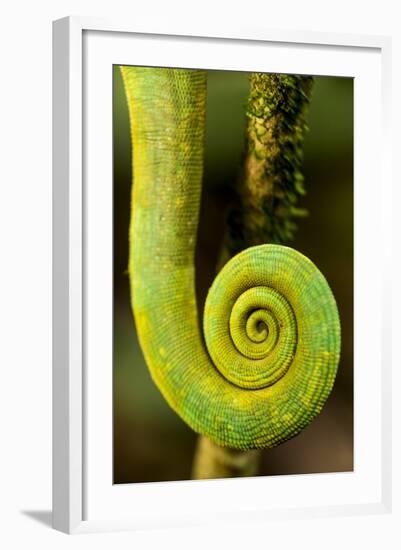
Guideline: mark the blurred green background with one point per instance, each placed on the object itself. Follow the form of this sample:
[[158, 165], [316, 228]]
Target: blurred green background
[[151, 443]]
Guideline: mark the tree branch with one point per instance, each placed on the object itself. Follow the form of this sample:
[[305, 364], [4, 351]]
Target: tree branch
[[264, 210]]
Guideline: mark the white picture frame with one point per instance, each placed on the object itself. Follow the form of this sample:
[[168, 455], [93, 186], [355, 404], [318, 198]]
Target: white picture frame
[[84, 498]]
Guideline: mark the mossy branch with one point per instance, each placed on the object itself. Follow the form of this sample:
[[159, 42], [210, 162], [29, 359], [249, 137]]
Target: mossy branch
[[264, 211]]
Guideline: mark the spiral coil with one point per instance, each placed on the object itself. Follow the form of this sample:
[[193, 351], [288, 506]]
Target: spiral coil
[[260, 310]]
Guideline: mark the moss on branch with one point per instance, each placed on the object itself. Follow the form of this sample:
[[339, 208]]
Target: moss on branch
[[265, 209], [271, 183]]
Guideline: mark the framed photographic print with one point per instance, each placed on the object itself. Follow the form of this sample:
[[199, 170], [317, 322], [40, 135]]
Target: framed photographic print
[[219, 328]]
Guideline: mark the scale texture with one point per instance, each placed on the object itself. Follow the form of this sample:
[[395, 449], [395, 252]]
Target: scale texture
[[264, 362]]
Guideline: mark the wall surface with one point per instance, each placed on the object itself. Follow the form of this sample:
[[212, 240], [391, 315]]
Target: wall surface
[[25, 290]]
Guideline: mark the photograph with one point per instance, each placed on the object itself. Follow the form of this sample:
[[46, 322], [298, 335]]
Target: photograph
[[233, 274]]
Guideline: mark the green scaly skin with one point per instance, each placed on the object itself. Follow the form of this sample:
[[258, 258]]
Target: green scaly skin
[[271, 323]]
